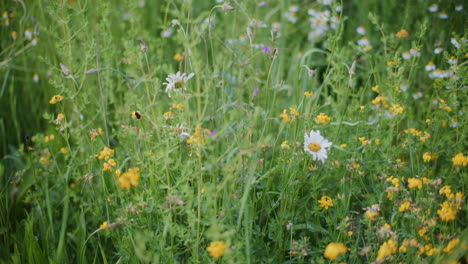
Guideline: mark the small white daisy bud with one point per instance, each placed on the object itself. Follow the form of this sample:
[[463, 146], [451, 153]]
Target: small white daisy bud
[[175, 22], [65, 70], [143, 46], [227, 7], [309, 71], [352, 70]]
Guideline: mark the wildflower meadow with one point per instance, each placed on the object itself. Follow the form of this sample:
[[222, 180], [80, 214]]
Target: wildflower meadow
[[242, 131]]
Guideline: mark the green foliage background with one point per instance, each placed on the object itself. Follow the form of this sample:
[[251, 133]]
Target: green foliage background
[[251, 186]]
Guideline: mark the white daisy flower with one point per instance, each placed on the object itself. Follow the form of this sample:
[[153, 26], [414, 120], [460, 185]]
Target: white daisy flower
[[443, 16], [415, 53], [406, 55], [176, 82], [316, 145], [404, 87], [438, 50], [433, 8], [430, 66], [361, 30], [417, 95], [458, 7]]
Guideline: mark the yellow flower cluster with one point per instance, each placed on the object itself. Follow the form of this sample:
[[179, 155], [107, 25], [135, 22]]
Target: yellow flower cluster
[[372, 212], [333, 250], [451, 245], [404, 206], [94, 133], [460, 160], [168, 115], [380, 100], [308, 94], [322, 119], [396, 109], [216, 249], [402, 34], [129, 178], [427, 249], [285, 147], [55, 99], [293, 113], [386, 249], [417, 133], [198, 136], [448, 211], [105, 153], [177, 106], [415, 183], [365, 141], [326, 201]]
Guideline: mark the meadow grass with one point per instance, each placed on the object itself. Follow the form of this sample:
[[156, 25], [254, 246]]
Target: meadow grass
[[109, 157]]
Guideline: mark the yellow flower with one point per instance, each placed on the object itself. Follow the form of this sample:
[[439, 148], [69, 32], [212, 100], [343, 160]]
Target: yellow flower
[[427, 157], [178, 57], [343, 146], [322, 119], [451, 245], [129, 178], [177, 106], [414, 183], [326, 202], [285, 116], [396, 109], [333, 250], [293, 111], [372, 211], [285, 146], [386, 249], [404, 206], [308, 94], [391, 63], [422, 231], [168, 115], [379, 99], [460, 160], [402, 34], [55, 99], [107, 166], [216, 249], [447, 212], [44, 161], [447, 190], [59, 118], [105, 153], [63, 150], [425, 137], [95, 133], [198, 136], [104, 226], [375, 89]]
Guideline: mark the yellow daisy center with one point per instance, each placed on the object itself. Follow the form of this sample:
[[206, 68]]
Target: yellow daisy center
[[314, 147]]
